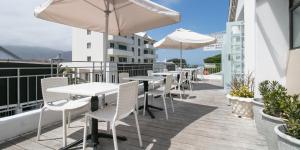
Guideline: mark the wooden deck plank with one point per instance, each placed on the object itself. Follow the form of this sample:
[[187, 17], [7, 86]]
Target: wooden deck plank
[[201, 121]]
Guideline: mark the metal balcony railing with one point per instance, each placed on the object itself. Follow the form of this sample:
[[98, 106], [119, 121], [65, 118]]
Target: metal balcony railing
[[21, 86]]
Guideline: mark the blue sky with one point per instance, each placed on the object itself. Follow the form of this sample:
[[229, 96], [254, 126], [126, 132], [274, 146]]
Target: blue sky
[[202, 16]]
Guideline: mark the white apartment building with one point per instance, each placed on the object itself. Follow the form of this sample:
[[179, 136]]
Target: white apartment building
[[263, 37], [88, 46]]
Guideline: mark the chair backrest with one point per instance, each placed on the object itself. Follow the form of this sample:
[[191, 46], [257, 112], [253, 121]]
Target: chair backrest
[[182, 77], [51, 83], [168, 84], [123, 75], [200, 71], [127, 99], [149, 72]]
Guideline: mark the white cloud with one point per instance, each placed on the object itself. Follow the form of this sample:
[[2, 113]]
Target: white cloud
[[18, 26]]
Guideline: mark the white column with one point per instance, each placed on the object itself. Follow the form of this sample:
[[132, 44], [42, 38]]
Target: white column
[[250, 48]]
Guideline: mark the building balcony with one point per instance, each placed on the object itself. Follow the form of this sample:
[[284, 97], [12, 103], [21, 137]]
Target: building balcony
[[149, 56], [120, 39], [149, 46], [118, 52]]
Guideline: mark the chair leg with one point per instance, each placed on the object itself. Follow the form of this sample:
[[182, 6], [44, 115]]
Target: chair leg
[[108, 126], [171, 98], [166, 110], [85, 132], [69, 120], [138, 129], [64, 129], [114, 136], [40, 124], [144, 104]]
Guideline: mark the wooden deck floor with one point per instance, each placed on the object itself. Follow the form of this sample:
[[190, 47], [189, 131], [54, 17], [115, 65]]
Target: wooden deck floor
[[201, 121]]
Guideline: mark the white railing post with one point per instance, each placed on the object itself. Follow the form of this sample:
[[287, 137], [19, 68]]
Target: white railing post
[[19, 109]]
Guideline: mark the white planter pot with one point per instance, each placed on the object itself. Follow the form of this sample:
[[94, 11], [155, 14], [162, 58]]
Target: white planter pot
[[241, 106], [284, 141], [258, 105], [268, 123]]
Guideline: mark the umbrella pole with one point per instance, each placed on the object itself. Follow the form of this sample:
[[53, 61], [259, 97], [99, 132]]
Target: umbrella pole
[[105, 39], [180, 55]]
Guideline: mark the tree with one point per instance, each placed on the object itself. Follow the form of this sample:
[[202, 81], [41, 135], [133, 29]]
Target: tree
[[213, 59], [176, 61]]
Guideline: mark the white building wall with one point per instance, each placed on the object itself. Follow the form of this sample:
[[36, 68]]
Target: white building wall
[[271, 40], [80, 52]]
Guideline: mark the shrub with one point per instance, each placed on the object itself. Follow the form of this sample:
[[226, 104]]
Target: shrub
[[242, 86], [291, 116], [274, 96]]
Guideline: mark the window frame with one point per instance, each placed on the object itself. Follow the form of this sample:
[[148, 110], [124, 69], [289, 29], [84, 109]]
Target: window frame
[[291, 10]]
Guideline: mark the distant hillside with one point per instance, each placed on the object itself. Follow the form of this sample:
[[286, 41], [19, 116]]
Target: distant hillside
[[37, 53]]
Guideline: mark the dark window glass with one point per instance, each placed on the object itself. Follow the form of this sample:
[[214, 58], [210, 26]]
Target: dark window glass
[[88, 45], [295, 23], [112, 45], [145, 51], [122, 59], [89, 58], [145, 60], [139, 42], [139, 52], [88, 32], [132, 60], [123, 47], [132, 49], [139, 60], [112, 59]]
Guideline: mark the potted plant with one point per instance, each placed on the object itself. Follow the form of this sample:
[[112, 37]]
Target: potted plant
[[258, 105], [275, 98], [288, 134], [241, 96]]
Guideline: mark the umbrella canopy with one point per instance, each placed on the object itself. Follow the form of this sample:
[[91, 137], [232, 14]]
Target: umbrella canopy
[[184, 40], [115, 17], [125, 16]]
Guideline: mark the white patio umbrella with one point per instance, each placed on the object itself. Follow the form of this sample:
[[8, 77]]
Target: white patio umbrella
[[184, 40], [115, 17]]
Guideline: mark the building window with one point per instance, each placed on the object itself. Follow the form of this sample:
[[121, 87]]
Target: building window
[[139, 52], [139, 60], [89, 58], [146, 42], [112, 45], [132, 49], [132, 60], [132, 37], [123, 47], [145, 60], [112, 59], [151, 60], [88, 45], [88, 32], [145, 51], [295, 23], [139, 42], [122, 59]]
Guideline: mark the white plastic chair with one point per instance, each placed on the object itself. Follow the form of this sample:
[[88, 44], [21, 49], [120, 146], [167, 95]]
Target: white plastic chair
[[154, 84], [199, 72], [126, 75], [190, 79], [59, 102], [162, 92], [179, 83], [126, 104], [122, 76]]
